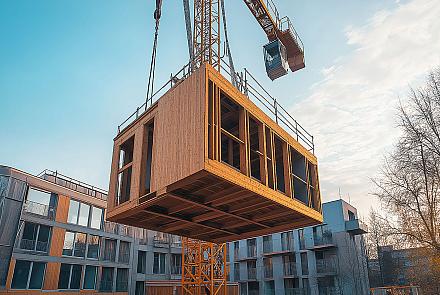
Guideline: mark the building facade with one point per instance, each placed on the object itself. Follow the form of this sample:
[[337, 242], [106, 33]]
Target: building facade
[[54, 237], [321, 260]]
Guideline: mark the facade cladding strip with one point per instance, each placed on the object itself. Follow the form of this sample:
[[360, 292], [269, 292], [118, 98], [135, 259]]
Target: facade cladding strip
[[55, 237]]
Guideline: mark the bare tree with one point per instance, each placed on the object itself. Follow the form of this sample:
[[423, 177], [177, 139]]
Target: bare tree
[[409, 185]]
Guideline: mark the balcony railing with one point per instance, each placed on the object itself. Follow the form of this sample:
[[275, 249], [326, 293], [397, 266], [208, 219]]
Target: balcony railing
[[324, 239], [73, 184], [290, 269], [39, 209], [111, 227], [327, 265], [356, 227], [286, 246]]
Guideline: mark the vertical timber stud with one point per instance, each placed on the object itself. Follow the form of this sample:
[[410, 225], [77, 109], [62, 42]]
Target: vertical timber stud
[[286, 163], [262, 144], [244, 147], [309, 195], [203, 268]]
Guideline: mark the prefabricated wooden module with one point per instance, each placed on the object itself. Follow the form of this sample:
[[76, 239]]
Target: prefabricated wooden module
[[205, 162]]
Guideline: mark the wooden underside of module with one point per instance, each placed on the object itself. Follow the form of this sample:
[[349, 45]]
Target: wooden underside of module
[[207, 207]]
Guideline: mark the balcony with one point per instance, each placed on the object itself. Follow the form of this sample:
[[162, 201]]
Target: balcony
[[289, 269], [42, 210], [110, 227], [326, 266], [252, 251], [356, 227], [323, 241], [33, 245]]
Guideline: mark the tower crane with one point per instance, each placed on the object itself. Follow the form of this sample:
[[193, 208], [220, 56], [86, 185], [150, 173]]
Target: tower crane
[[204, 268]]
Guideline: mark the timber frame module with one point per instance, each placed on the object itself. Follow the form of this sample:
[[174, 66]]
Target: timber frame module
[[206, 163]]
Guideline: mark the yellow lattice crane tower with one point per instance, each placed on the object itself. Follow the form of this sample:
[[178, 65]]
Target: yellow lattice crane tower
[[206, 163]]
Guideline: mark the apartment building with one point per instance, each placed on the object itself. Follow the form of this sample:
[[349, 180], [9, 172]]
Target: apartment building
[[54, 237], [328, 259]]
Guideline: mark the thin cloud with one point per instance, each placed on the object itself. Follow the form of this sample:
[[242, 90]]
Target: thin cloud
[[352, 111]]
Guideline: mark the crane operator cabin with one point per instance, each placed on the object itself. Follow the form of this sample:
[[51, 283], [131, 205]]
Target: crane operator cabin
[[214, 157]]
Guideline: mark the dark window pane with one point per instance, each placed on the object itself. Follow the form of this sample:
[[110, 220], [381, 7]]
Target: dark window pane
[[90, 277], [124, 252], [106, 279], [141, 263], [93, 248], [75, 279], [43, 238], [63, 280], [21, 273], [122, 280], [109, 250], [37, 275], [80, 245]]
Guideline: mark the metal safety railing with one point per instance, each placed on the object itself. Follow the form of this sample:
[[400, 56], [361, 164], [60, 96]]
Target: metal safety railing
[[286, 24], [246, 84], [71, 183]]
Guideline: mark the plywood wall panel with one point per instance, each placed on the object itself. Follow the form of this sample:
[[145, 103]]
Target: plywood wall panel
[[179, 131]]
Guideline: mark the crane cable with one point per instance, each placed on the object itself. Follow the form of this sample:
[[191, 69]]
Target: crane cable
[[228, 49], [189, 37], [150, 86]]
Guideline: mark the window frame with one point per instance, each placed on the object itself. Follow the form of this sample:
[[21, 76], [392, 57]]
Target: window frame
[[29, 274], [70, 276]]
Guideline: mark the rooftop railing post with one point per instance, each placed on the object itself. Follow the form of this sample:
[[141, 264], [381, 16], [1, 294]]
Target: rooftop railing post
[[276, 110]]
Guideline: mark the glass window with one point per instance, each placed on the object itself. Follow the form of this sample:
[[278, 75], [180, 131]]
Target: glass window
[[93, 247], [69, 239], [79, 248], [37, 275], [90, 277], [176, 260], [70, 276], [106, 279], [109, 250], [43, 239], [159, 263], [73, 212], [29, 236], [38, 196], [84, 211], [64, 278], [21, 273], [96, 218], [122, 280], [75, 277], [141, 264], [124, 252]]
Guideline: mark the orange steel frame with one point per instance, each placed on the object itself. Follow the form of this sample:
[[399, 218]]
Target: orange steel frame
[[204, 263], [203, 268]]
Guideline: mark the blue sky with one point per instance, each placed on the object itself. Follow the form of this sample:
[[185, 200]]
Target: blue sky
[[71, 71]]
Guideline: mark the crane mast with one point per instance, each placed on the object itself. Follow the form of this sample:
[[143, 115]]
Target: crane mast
[[206, 44]]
